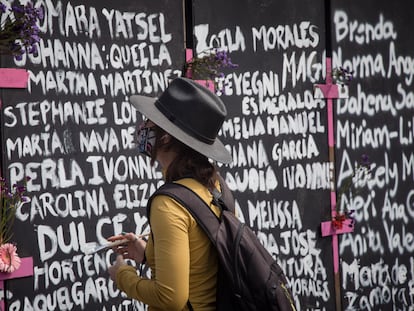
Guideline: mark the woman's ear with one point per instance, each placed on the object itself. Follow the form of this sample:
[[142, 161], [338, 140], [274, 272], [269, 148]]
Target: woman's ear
[[165, 139]]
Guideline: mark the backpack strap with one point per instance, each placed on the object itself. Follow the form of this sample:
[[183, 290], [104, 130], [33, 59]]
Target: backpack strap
[[195, 205], [226, 199]]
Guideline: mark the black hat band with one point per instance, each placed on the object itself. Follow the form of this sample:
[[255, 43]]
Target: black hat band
[[170, 116]]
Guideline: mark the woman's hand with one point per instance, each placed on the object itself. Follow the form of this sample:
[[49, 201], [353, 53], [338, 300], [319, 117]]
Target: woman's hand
[[133, 249], [114, 268]]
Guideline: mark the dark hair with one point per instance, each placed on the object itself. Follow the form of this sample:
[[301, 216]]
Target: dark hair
[[187, 163]]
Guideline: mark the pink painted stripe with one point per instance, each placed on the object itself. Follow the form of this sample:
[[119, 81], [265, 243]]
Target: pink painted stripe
[[329, 91], [335, 247], [328, 229], [331, 139], [328, 70], [207, 83], [331, 142], [188, 54], [333, 203], [26, 269], [2, 294], [13, 78]]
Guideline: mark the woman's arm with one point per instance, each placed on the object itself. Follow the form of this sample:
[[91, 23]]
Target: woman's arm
[[169, 287]]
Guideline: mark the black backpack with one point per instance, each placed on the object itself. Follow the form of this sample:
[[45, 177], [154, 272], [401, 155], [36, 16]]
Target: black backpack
[[248, 278]]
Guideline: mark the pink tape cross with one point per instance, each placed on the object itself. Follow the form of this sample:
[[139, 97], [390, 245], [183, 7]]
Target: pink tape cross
[[13, 78]]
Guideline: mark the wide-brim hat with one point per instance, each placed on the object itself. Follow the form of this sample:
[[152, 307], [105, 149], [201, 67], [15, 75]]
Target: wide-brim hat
[[189, 112]]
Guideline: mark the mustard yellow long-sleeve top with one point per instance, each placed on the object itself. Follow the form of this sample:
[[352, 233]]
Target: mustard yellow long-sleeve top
[[183, 261]]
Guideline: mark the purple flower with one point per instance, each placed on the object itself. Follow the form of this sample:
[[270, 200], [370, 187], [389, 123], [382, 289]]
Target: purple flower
[[20, 31], [17, 9], [25, 199], [39, 12], [21, 189], [209, 66], [19, 54], [10, 200], [33, 49], [365, 160], [353, 184]]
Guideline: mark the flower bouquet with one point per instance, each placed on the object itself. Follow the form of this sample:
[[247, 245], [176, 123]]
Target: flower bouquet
[[19, 32], [342, 76], [356, 180], [11, 200], [208, 65]]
